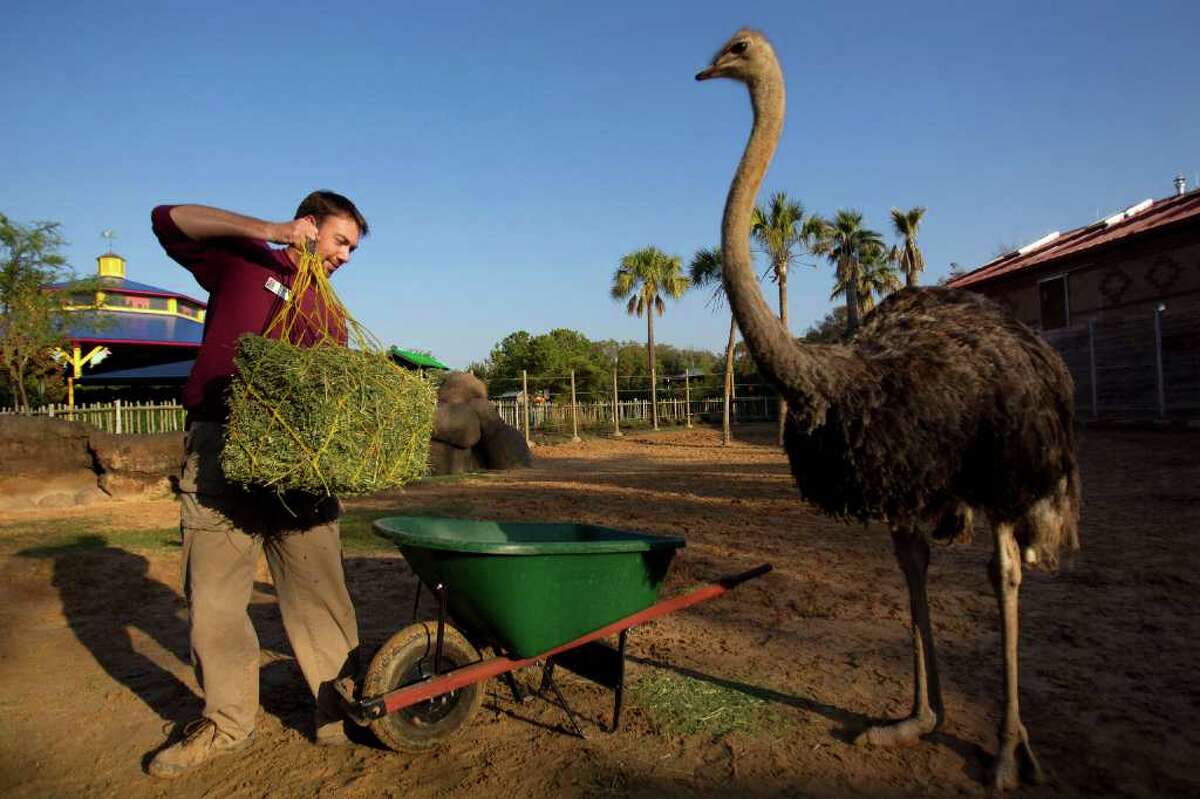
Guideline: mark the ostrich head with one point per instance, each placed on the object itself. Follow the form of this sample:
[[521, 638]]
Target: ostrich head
[[746, 57]]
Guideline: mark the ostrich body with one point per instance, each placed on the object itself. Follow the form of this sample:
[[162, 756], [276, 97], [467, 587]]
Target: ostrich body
[[941, 404]]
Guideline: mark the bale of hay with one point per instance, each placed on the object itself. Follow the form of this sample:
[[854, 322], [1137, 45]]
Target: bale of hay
[[325, 419]]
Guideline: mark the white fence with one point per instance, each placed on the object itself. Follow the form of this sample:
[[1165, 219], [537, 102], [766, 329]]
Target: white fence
[[553, 417], [149, 417], [118, 416]]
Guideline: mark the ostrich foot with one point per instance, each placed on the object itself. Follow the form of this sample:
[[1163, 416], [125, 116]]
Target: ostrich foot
[[898, 733], [1016, 760]]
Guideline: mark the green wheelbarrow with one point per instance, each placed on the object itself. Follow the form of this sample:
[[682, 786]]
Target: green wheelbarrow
[[532, 593]]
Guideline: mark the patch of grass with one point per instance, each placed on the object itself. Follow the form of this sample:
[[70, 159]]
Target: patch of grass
[[83, 533], [690, 706]]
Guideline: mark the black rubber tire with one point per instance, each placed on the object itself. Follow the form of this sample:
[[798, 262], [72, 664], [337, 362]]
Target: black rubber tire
[[407, 658]]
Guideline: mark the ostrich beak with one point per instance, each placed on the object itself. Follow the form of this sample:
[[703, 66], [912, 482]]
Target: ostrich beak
[[707, 72]]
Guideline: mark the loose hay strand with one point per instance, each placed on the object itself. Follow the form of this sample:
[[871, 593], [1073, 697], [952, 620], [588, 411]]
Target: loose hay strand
[[322, 417]]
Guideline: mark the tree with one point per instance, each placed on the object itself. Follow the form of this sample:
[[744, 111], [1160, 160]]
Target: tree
[[845, 241], [876, 275], [911, 261], [641, 279], [33, 320], [781, 230], [704, 272], [830, 330]]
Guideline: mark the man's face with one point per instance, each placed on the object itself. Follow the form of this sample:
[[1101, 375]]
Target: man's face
[[337, 239]]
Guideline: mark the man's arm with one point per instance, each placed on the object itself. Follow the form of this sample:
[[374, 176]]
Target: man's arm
[[199, 222]]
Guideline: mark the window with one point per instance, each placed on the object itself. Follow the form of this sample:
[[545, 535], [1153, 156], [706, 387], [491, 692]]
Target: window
[[1052, 301], [139, 302]]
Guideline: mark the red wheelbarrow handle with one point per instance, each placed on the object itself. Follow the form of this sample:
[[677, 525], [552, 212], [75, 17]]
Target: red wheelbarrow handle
[[377, 707]]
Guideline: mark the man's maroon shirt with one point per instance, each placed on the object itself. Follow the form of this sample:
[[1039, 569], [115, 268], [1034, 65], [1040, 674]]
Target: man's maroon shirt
[[234, 272]]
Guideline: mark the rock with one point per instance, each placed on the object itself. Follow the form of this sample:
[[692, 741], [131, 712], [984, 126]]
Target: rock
[[503, 447], [461, 387], [157, 454], [456, 424], [448, 459], [39, 445], [135, 485], [49, 491]]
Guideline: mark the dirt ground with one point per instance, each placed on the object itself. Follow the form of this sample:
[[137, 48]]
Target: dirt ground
[[93, 644]]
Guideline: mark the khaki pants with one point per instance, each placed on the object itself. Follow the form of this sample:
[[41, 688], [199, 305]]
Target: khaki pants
[[224, 529]]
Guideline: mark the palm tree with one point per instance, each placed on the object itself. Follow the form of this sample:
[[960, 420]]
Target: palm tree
[[877, 275], [906, 223], [781, 230], [642, 278], [705, 271], [845, 241]]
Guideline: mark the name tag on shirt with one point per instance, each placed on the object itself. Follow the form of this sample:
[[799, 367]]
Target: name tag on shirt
[[278, 289]]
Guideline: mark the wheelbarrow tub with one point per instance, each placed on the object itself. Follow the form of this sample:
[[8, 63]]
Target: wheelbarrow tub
[[528, 587]]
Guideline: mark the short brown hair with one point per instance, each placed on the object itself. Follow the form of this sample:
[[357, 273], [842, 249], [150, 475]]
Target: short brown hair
[[323, 203]]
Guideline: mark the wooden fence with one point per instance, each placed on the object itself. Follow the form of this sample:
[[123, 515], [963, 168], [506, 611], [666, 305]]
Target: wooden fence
[[118, 416], [1146, 367], [556, 418]]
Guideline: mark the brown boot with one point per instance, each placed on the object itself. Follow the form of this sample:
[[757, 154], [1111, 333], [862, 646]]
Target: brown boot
[[329, 722], [201, 742]]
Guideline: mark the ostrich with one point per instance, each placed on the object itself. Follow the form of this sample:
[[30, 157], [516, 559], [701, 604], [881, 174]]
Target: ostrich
[[940, 405]]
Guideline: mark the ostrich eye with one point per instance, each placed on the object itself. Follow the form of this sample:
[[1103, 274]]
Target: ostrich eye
[[738, 48]]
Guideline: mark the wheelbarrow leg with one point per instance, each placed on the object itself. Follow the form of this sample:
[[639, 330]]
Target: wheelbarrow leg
[[518, 693], [549, 681], [620, 688]]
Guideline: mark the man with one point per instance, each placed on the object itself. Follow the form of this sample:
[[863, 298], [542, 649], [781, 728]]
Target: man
[[224, 526]]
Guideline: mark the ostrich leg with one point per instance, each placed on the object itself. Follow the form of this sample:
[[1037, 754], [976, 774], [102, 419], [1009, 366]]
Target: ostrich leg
[[1005, 572], [912, 551]]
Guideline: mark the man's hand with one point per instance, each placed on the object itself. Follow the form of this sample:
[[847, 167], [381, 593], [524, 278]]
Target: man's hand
[[298, 233]]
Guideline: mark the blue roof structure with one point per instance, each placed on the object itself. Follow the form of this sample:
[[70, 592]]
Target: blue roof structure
[[161, 374], [135, 328], [120, 284]]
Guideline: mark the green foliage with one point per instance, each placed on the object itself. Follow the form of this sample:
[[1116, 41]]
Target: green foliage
[[33, 320], [910, 259], [326, 419], [644, 276], [830, 330], [549, 357], [705, 272], [782, 229], [845, 242]]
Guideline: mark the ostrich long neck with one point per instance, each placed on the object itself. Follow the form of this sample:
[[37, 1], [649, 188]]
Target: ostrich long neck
[[807, 376]]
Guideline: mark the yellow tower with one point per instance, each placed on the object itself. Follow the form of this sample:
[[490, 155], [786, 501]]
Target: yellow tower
[[111, 265]]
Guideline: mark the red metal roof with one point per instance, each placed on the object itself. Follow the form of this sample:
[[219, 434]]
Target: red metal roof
[[1131, 222]]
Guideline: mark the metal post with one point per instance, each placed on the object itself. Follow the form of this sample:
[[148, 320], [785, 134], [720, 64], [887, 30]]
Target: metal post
[[574, 412], [616, 405], [525, 401], [687, 397], [441, 628], [1158, 359], [1092, 359]]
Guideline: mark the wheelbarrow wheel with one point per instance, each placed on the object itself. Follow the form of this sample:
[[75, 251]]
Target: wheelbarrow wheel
[[407, 658]]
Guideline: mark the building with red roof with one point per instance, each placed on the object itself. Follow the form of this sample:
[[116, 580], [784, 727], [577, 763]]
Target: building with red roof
[[1123, 265], [1119, 299]]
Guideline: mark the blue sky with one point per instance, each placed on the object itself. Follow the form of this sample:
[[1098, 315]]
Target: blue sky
[[508, 154]]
